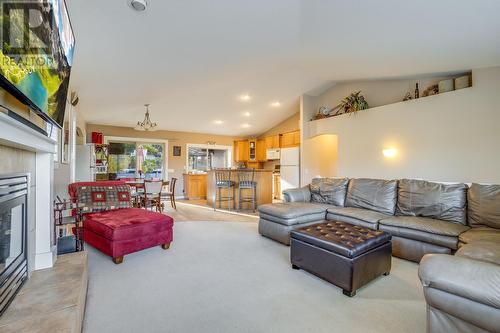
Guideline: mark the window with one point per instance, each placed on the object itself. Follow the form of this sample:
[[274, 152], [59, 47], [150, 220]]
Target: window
[[150, 160], [205, 157], [129, 160], [122, 160]]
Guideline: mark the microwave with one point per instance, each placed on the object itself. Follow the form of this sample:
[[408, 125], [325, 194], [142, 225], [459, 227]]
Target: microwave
[[273, 154]]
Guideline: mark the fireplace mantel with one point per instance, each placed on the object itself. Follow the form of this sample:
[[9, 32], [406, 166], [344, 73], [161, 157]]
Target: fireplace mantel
[[15, 134], [19, 136]]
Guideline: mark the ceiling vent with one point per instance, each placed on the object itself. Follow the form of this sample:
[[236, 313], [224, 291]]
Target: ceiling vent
[[138, 5]]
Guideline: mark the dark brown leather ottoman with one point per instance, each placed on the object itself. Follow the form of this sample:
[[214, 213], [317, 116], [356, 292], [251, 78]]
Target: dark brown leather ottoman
[[346, 255]]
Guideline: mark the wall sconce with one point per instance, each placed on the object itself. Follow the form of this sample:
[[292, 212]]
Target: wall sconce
[[390, 152]]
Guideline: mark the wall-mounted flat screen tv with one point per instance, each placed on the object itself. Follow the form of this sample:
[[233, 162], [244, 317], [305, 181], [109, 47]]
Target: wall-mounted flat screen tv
[[36, 54]]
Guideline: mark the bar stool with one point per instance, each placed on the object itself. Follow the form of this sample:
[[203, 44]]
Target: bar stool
[[223, 181], [246, 181]]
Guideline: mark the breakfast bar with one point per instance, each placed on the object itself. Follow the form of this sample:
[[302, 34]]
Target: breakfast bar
[[262, 177]]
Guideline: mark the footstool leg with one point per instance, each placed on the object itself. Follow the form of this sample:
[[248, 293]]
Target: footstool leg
[[118, 260], [349, 293], [165, 246], [295, 266]]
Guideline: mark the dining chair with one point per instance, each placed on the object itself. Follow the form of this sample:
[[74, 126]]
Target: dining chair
[[170, 194], [152, 194]]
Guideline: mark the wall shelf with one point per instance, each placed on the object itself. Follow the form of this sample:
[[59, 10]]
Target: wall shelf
[[330, 124], [430, 82]]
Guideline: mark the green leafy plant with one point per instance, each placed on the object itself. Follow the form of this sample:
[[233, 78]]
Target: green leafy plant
[[351, 104]]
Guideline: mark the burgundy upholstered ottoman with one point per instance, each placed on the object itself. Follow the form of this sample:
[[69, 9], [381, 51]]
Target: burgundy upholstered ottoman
[[122, 231]]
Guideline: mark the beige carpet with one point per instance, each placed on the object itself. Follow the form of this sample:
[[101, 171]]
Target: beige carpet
[[224, 277], [187, 211]]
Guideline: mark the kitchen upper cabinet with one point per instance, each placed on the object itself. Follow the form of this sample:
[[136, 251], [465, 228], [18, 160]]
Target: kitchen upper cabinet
[[290, 139], [252, 150], [272, 142], [296, 138], [241, 151], [261, 150]]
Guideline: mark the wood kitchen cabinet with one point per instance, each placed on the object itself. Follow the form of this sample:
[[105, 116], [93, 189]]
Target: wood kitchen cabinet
[[290, 139], [261, 150], [296, 138], [195, 186], [276, 187], [241, 150], [251, 151], [272, 142]]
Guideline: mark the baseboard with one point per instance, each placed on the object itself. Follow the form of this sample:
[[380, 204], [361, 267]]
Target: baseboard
[[44, 260]]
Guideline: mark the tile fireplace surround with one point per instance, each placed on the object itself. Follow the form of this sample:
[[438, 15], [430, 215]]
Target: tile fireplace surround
[[23, 150]]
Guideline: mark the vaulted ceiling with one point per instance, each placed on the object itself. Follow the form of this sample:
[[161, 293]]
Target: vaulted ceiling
[[193, 59]]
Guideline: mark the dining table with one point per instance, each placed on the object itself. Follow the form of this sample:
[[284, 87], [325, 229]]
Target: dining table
[[138, 184]]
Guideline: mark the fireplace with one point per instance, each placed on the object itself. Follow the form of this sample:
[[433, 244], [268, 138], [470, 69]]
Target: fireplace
[[13, 236]]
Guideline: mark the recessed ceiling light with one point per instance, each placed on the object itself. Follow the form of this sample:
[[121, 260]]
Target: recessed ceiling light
[[245, 97], [245, 125], [247, 114], [138, 5], [276, 104], [218, 122]]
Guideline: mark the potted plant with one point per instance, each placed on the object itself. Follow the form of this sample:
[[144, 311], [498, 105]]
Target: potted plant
[[351, 104]]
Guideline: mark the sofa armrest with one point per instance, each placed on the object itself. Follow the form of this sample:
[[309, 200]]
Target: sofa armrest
[[475, 280], [302, 194]]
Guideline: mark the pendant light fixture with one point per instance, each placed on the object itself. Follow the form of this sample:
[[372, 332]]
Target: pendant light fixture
[[146, 124]]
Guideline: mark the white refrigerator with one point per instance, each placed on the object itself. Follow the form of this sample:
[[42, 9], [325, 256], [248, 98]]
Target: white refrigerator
[[85, 160], [289, 168]]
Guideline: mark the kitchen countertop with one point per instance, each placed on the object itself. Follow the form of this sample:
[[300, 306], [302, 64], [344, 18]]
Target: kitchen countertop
[[246, 170], [232, 170]]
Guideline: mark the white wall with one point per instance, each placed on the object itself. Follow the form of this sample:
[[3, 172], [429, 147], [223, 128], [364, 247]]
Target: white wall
[[64, 173], [318, 154], [321, 159], [449, 137]]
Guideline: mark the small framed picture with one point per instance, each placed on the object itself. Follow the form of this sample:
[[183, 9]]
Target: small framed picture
[[177, 150]]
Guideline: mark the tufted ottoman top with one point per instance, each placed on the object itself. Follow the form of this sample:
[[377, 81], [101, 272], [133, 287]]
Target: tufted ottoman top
[[342, 238], [127, 223]]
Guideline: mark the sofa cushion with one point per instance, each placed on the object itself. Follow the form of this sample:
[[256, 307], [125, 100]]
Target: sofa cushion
[[302, 194], [73, 187], [373, 194], [291, 213], [128, 223], [103, 197], [484, 205], [432, 231], [433, 242], [329, 190], [425, 224], [484, 251], [434, 200], [481, 234], [361, 214]]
